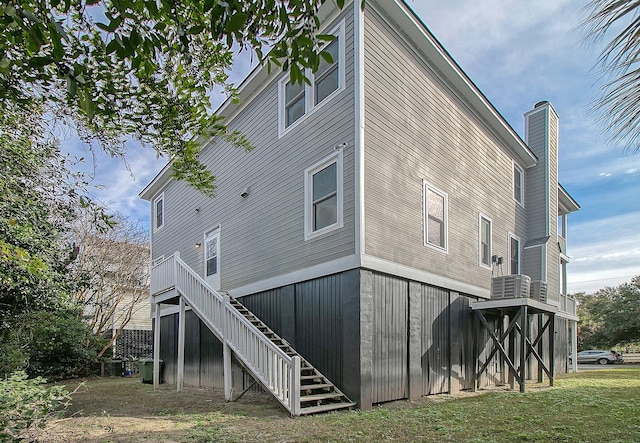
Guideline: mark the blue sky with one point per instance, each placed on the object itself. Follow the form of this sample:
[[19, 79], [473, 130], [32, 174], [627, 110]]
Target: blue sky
[[517, 53]]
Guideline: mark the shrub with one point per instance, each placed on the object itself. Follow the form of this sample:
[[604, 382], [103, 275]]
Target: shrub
[[26, 405], [55, 344], [61, 345]]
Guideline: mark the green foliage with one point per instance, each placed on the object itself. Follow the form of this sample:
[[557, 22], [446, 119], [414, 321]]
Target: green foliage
[[60, 344], [610, 317], [146, 69], [616, 23], [26, 405]]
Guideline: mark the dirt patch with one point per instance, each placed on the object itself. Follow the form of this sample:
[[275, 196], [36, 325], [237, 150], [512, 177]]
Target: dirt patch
[[125, 410]]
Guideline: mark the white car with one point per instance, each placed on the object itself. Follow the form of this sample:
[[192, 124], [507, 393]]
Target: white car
[[598, 356]]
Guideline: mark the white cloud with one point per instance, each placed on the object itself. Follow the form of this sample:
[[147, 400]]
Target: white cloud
[[604, 252]]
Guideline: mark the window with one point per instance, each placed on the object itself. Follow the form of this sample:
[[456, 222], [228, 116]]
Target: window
[[514, 254], [158, 212], [518, 175], [296, 100], [326, 78], [485, 242], [212, 258], [435, 217], [323, 196]]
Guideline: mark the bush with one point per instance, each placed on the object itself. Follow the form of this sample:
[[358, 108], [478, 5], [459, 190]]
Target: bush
[[26, 405], [61, 345], [54, 344]]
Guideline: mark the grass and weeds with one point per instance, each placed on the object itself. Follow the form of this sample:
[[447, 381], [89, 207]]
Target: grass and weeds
[[590, 406]]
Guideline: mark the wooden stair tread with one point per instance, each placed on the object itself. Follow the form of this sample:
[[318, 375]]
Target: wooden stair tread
[[316, 386], [323, 396], [310, 377], [325, 408]]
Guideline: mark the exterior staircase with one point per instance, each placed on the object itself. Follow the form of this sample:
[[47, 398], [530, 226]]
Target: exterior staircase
[[317, 393], [269, 359]]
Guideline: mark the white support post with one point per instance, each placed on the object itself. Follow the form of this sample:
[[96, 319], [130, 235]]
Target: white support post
[[181, 327], [294, 387], [574, 346], [156, 346], [226, 352]]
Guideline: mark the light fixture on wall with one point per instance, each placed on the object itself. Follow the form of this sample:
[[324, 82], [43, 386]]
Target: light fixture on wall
[[245, 193], [197, 245], [340, 146]]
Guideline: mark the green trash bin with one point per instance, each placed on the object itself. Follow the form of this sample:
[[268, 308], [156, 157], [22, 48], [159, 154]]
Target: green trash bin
[[145, 366]]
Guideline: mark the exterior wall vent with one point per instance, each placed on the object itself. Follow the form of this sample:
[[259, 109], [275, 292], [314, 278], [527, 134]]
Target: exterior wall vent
[[510, 286]]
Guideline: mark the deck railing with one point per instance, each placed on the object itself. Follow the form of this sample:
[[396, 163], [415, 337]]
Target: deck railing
[[568, 304], [274, 369]]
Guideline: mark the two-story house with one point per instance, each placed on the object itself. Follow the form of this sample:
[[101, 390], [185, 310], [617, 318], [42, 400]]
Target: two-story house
[[364, 230]]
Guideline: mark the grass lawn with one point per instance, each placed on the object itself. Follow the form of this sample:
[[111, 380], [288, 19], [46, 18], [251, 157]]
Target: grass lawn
[[590, 406]]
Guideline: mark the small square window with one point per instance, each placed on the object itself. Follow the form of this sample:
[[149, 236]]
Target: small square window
[[323, 196], [435, 217], [158, 212], [518, 182]]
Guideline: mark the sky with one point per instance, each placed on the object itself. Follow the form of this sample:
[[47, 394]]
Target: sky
[[518, 53]]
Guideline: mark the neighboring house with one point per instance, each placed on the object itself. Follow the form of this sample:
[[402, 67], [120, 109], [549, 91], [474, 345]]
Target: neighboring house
[[365, 229], [116, 294]]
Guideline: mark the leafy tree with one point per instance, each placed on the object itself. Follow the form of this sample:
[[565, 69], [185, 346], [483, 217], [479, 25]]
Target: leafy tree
[[41, 196], [146, 68], [611, 316], [618, 102], [39, 191]]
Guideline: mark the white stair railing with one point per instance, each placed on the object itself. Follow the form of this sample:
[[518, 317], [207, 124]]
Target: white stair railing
[[274, 369]]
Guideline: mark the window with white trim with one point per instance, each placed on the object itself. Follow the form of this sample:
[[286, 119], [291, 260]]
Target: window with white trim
[[296, 100], [518, 183], [435, 217], [484, 242], [323, 196], [514, 254], [158, 212]]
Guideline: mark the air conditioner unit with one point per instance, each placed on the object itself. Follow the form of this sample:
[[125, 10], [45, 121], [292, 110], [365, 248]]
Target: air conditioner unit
[[539, 291], [510, 286]]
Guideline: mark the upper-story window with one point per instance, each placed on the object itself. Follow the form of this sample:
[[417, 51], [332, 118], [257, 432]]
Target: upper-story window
[[518, 183], [158, 212], [323, 196], [435, 217], [485, 242], [297, 100], [514, 254]]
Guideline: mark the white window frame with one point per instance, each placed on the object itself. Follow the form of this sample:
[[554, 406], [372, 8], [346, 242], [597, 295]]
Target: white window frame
[[512, 236], [157, 227], [309, 233], [482, 217], [426, 187], [309, 94], [517, 167]]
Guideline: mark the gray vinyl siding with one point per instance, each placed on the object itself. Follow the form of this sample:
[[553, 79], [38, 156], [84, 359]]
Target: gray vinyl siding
[[553, 251], [262, 235], [418, 129], [536, 177], [542, 198]]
